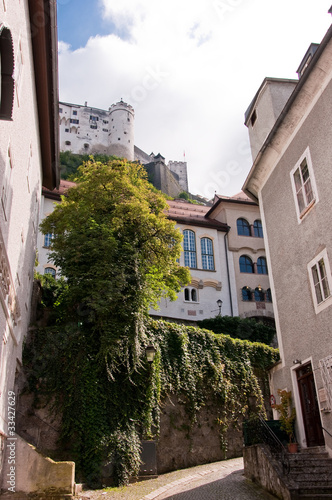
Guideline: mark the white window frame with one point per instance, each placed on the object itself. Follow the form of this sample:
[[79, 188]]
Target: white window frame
[[190, 290], [308, 205], [326, 302]]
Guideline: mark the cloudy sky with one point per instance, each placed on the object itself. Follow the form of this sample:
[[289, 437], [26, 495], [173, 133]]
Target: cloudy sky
[[189, 68]]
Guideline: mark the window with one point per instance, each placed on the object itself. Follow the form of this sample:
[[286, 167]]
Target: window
[[7, 190], [190, 295], [60, 110], [105, 121], [189, 245], [74, 112], [246, 293], [243, 228], [66, 129], [73, 120], [86, 145], [48, 239], [320, 281], [67, 143], [50, 270], [268, 295], [261, 265], [105, 129], [93, 126], [94, 118], [207, 254], [303, 184], [258, 229], [7, 70], [259, 294], [253, 118], [246, 265]]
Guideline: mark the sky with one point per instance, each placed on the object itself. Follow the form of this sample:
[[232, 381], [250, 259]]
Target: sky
[[190, 69]]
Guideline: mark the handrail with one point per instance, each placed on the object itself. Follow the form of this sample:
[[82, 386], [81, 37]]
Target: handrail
[[275, 444], [327, 432]]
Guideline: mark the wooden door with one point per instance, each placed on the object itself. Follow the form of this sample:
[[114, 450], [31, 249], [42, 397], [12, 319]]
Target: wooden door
[[309, 405]]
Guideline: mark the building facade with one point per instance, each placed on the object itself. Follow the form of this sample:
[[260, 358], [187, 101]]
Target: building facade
[[245, 244], [291, 178], [28, 160]]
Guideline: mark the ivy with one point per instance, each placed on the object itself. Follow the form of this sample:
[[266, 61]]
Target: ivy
[[104, 420]]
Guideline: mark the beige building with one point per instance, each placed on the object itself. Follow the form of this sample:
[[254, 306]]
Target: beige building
[[247, 250], [291, 178]]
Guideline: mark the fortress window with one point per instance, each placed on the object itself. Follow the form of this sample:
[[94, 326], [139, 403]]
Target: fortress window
[[190, 295], [253, 118], [86, 146]]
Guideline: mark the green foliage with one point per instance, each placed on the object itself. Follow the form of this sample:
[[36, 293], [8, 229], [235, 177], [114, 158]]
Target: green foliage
[[69, 162], [103, 419], [287, 413], [118, 252], [236, 327]]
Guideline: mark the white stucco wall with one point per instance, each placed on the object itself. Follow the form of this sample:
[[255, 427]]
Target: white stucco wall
[[19, 143]]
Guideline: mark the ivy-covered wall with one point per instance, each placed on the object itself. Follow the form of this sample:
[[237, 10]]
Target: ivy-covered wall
[[191, 400]]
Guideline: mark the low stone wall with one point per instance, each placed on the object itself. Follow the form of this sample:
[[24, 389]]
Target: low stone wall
[[260, 467], [27, 472]]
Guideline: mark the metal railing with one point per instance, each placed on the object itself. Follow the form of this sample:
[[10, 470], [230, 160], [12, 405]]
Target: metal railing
[[258, 431]]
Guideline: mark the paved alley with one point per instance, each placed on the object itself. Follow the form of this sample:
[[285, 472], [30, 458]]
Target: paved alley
[[217, 481]]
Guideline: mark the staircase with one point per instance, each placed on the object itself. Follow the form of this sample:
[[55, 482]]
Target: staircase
[[310, 476]]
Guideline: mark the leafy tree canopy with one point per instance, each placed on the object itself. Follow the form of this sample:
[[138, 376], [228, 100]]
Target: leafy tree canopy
[[117, 250]]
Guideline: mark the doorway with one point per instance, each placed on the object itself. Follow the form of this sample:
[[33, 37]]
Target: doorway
[[309, 405]]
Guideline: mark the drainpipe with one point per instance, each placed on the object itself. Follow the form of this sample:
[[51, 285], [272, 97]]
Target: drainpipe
[[228, 277]]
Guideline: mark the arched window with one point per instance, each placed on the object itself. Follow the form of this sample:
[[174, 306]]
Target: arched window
[[189, 246], [259, 295], [7, 70], [246, 265], [190, 295], [243, 228], [261, 265], [268, 295], [246, 293], [207, 254], [50, 270], [258, 229]]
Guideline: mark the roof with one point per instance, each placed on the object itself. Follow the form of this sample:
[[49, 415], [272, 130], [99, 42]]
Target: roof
[[240, 197], [55, 194], [184, 212], [44, 41]]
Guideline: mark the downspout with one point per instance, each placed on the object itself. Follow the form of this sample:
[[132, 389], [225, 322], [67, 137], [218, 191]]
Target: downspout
[[228, 277]]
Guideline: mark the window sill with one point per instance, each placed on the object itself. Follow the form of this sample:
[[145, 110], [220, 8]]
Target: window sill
[[307, 209]]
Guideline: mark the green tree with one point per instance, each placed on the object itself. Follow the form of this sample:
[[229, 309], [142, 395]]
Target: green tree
[[118, 251], [241, 328]]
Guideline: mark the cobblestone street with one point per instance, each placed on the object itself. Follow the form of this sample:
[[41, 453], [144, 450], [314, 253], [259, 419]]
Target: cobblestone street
[[217, 481]]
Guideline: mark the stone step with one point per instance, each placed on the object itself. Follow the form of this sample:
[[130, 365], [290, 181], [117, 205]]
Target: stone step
[[309, 476]]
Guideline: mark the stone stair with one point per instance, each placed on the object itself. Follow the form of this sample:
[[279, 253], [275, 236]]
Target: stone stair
[[311, 472]]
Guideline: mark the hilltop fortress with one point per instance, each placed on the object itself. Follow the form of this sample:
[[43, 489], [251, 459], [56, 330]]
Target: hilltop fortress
[[84, 129]]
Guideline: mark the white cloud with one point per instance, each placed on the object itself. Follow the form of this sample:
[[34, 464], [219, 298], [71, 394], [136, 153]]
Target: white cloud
[[190, 69]]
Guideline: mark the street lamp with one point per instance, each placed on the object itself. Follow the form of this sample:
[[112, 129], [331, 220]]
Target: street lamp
[[150, 353], [219, 304]]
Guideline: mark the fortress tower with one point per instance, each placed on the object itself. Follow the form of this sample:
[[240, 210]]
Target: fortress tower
[[121, 130]]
